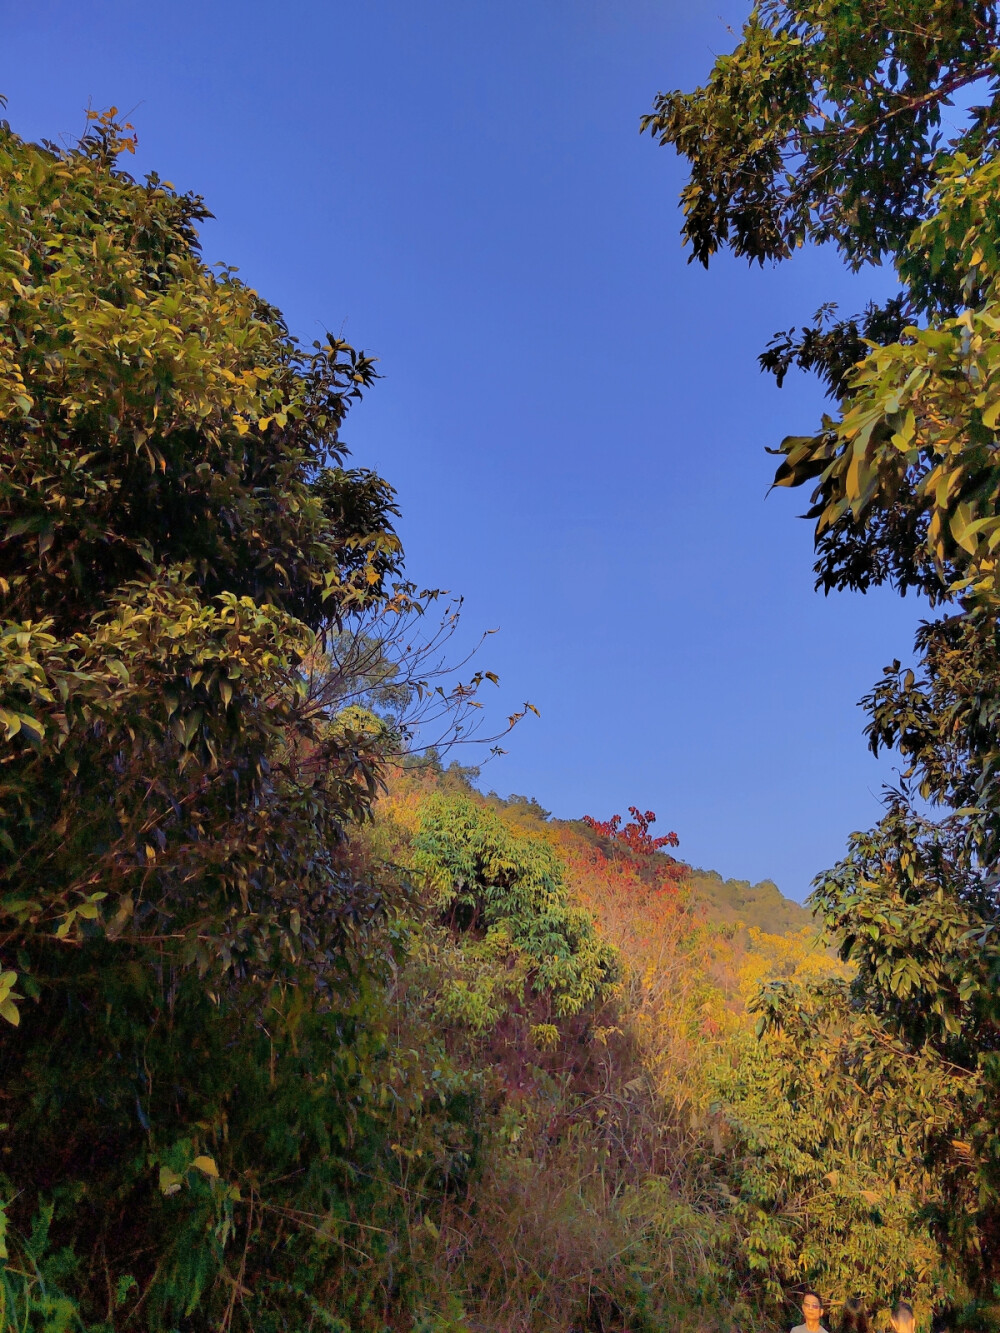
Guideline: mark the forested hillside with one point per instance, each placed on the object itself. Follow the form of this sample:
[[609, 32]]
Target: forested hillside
[[299, 1028], [735, 900]]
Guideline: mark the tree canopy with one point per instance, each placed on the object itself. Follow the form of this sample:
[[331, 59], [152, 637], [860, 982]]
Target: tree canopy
[[180, 536], [510, 888], [825, 124], [829, 123], [178, 528]]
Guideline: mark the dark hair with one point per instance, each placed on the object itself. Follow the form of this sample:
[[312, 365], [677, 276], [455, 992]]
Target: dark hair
[[855, 1316], [809, 1292]]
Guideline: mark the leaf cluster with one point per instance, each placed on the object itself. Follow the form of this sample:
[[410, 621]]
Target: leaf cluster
[[824, 124]]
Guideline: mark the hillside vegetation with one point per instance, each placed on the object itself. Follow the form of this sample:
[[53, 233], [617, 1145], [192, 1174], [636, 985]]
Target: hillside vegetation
[[606, 1192], [737, 901]]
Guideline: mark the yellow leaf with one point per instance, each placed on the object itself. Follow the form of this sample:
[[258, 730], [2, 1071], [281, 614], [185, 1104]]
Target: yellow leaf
[[170, 1181], [207, 1166], [992, 415]]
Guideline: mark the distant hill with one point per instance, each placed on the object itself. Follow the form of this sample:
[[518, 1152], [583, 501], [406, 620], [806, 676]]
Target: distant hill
[[733, 900], [726, 901]]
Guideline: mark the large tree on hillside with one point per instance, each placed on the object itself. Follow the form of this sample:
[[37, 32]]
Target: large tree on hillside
[[827, 124], [178, 526], [181, 540]]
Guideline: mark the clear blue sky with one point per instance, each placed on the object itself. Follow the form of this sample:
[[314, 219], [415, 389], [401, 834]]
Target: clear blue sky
[[572, 415]]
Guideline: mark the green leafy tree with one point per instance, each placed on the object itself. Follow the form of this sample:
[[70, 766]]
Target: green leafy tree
[[194, 1062], [827, 1183], [825, 124], [178, 529], [207, 654], [505, 889]]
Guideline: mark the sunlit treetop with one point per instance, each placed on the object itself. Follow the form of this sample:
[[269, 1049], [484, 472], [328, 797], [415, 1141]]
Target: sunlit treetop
[[825, 124], [155, 411], [178, 533]]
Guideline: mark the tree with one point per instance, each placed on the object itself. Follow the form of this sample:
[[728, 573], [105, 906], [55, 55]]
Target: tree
[[178, 529], [185, 947], [507, 888], [825, 125], [208, 653], [635, 836], [823, 1197]]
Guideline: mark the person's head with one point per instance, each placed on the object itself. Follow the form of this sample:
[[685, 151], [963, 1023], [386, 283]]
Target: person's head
[[812, 1307], [902, 1317], [855, 1317]]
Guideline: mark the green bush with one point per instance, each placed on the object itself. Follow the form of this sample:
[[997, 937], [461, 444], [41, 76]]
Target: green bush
[[506, 890]]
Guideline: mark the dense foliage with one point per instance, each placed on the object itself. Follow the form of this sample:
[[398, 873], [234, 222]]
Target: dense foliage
[[189, 957], [485, 878], [177, 529], [825, 124]]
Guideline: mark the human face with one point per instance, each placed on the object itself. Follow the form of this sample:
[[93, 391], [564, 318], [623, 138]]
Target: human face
[[812, 1311]]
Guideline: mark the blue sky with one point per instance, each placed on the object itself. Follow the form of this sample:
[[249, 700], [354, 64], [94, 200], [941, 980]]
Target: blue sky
[[572, 415]]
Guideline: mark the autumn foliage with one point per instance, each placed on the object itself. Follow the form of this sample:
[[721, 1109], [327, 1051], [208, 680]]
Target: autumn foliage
[[635, 835]]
